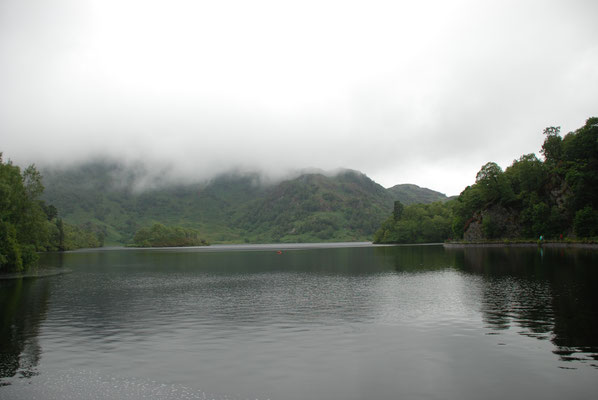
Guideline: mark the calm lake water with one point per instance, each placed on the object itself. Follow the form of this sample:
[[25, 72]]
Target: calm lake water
[[311, 322]]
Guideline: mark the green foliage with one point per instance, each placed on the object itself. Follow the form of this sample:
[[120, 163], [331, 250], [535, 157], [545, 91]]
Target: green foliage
[[494, 185], [545, 195], [230, 208], [464, 207], [159, 235], [418, 223], [398, 210], [552, 148], [315, 207], [22, 219], [490, 227], [412, 194], [539, 219], [585, 223], [580, 158], [550, 198], [10, 249], [27, 224], [527, 176], [79, 237]]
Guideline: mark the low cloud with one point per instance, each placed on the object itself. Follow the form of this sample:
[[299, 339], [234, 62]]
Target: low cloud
[[404, 92]]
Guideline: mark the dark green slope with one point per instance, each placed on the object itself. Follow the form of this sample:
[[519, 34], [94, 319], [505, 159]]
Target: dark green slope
[[105, 193], [229, 208], [315, 207], [412, 194]]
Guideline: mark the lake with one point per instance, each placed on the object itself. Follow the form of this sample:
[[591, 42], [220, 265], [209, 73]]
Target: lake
[[346, 321]]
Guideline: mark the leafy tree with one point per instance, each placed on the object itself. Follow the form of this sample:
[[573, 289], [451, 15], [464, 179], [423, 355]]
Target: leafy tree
[[490, 227], [494, 184], [23, 227], [27, 224], [159, 235], [10, 249], [552, 148], [418, 223], [398, 210], [533, 197], [527, 175], [586, 222], [580, 156]]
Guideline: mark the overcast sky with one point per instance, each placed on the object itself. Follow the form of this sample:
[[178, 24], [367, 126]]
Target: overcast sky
[[420, 92]]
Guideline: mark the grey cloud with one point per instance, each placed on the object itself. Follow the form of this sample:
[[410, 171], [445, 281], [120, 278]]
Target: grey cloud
[[401, 91]]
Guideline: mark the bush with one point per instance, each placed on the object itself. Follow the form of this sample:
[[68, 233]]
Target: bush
[[159, 235], [10, 251], [585, 223]]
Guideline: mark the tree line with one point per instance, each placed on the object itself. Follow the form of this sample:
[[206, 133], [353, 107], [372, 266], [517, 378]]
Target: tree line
[[28, 225], [159, 235], [555, 197]]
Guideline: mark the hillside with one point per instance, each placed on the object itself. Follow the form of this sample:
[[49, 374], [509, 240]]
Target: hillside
[[315, 207], [229, 208], [554, 198], [412, 194], [234, 207]]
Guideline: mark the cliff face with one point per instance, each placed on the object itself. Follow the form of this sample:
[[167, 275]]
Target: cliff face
[[493, 222], [558, 192]]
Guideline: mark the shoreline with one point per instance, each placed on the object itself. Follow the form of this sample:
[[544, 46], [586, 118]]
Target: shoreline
[[237, 247], [528, 244], [38, 272]]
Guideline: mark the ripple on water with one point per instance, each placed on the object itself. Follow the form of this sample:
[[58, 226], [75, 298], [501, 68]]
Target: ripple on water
[[89, 385]]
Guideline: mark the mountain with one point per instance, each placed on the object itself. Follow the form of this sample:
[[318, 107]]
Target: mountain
[[236, 207], [315, 207], [412, 194]]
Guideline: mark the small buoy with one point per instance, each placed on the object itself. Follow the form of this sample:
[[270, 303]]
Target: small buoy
[[278, 252]]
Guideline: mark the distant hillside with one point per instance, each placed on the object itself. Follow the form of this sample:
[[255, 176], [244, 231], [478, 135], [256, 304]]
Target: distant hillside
[[315, 207], [412, 194], [229, 208]]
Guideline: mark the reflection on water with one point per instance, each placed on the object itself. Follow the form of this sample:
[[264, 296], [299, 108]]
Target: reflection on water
[[24, 303], [350, 323], [550, 294]]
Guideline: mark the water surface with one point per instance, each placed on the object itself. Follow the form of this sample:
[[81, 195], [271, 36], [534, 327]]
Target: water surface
[[297, 322]]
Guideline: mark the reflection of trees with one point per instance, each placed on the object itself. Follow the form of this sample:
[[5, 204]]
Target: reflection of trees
[[548, 293], [415, 258], [23, 306], [576, 303]]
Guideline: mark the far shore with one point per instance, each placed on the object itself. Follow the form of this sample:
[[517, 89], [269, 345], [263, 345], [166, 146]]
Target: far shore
[[239, 247], [459, 245]]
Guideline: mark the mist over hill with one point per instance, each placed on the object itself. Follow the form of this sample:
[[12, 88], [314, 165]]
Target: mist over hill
[[344, 205]]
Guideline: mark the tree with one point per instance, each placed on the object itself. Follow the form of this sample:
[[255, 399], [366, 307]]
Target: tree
[[580, 159], [23, 224], [60, 226], [586, 222], [159, 235], [526, 175], [552, 148], [10, 249], [417, 223], [28, 225], [398, 210], [494, 184]]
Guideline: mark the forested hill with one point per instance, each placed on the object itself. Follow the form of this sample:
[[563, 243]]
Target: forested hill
[[412, 194], [553, 198], [230, 208]]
